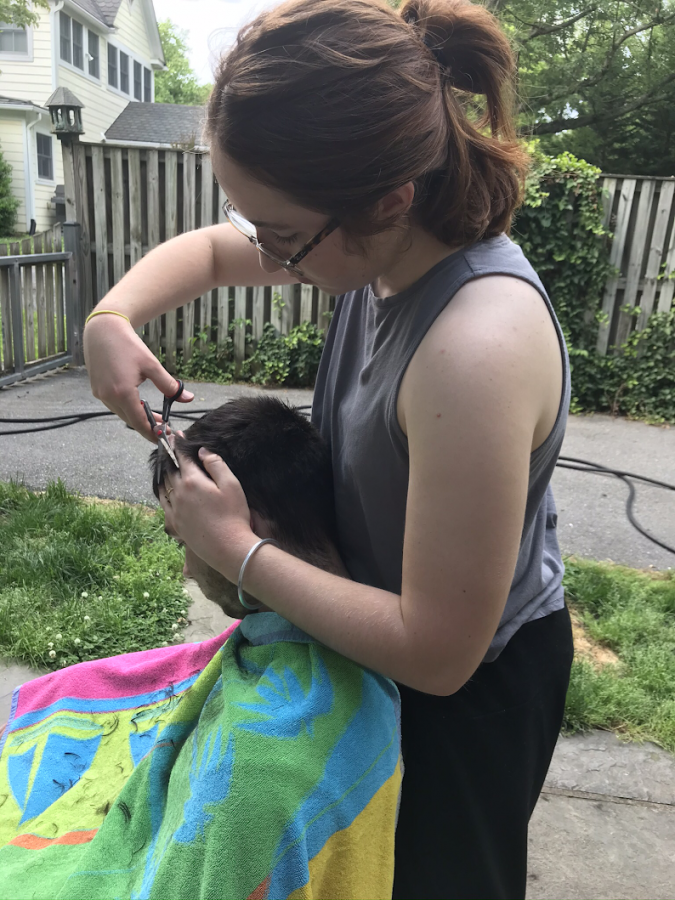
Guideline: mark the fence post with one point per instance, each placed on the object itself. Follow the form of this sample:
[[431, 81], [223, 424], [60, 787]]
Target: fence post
[[17, 317], [74, 306]]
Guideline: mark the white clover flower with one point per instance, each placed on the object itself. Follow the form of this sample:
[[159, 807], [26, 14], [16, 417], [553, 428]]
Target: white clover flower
[[186, 592], [145, 595], [52, 654], [174, 627], [62, 663], [77, 641], [116, 577], [84, 595], [176, 637], [183, 613], [165, 643], [87, 619], [100, 596], [163, 611], [48, 628], [58, 637], [50, 644]]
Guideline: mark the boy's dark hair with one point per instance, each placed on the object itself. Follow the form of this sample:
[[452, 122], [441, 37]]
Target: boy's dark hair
[[281, 461]]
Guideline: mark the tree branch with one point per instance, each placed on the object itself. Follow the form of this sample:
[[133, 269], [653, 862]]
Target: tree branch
[[606, 115], [539, 30]]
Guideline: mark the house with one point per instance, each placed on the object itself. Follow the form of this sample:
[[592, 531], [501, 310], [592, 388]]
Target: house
[[105, 51]]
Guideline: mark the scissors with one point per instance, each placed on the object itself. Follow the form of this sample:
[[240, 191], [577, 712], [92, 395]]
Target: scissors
[[160, 429]]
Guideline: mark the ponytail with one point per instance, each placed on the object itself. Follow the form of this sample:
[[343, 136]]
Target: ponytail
[[338, 102]]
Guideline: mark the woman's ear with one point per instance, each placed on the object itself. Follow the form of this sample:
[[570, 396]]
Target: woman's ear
[[397, 202]]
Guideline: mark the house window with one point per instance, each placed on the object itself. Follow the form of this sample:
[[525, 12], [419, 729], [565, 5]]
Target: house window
[[147, 85], [13, 39], [93, 55], [64, 33], [138, 81], [112, 66], [78, 45], [124, 72], [44, 156]]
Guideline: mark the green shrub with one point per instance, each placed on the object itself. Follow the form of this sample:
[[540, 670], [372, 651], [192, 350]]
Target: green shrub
[[8, 202], [279, 359]]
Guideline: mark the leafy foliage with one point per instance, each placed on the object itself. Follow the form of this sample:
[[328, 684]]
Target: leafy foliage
[[178, 84], [8, 202], [290, 360], [21, 12], [560, 230], [597, 79]]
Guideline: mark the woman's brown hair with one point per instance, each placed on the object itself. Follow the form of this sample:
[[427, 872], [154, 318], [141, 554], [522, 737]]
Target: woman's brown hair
[[337, 102]]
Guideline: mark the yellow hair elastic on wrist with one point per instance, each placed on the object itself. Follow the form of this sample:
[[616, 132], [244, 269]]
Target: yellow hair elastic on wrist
[[102, 312]]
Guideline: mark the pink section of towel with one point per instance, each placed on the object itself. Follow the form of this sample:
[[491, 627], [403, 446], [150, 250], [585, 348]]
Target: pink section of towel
[[121, 676]]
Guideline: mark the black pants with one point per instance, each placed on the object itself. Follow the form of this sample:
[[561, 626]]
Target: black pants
[[475, 763]]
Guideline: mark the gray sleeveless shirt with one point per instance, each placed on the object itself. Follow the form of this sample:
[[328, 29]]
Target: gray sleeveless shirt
[[368, 347]]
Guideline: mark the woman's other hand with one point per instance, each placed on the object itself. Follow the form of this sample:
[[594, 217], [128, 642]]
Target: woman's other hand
[[118, 362], [209, 512]]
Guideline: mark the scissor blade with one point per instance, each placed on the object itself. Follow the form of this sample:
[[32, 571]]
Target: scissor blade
[[169, 449]]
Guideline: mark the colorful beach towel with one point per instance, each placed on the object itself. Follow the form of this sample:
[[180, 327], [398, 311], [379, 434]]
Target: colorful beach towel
[[258, 764]]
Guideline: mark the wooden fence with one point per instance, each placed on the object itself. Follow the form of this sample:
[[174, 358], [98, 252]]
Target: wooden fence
[[127, 201], [34, 294], [640, 213]]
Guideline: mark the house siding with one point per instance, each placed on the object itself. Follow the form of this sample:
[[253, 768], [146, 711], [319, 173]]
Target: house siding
[[101, 106], [25, 80], [132, 30], [12, 146]]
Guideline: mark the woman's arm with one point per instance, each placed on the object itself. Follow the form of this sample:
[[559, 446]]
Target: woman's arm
[[472, 399], [170, 275]]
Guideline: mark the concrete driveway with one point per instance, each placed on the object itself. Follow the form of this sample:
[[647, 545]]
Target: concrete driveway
[[104, 458]]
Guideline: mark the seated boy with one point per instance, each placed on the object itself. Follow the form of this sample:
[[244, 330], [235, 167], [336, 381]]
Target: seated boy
[[258, 764]]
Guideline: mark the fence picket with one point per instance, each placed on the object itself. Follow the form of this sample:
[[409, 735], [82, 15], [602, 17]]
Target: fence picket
[[59, 303], [323, 309], [5, 317], [223, 293], [152, 177], [82, 197], [615, 257], [258, 317], [608, 191], [206, 216], [117, 188], [28, 313], [276, 306], [239, 326], [39, 299], [655, 253], [668, 283], [637, 249], [170, 229], [189, 179], [100, 225], [287, 296], [135, 213], [306, 295]]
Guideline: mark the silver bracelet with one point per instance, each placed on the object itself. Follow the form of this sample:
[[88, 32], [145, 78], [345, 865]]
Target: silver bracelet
[[243, 568]]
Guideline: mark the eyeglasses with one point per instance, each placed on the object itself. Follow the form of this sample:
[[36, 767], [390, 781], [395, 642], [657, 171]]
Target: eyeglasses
[[245, 227]]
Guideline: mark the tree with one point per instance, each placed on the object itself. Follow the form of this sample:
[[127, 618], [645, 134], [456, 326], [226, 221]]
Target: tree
[[597, 78], [8, 202], [178, 84], [17, 12]]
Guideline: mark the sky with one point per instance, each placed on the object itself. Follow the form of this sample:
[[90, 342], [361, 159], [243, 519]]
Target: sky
[[212, 26]]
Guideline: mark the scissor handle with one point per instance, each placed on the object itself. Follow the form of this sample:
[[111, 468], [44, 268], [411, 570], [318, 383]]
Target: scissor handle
[[169, 401]]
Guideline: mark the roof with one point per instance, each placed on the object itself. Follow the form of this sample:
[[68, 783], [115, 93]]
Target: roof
[[103, 10], [63, 96], [158, 123], [21, 104]]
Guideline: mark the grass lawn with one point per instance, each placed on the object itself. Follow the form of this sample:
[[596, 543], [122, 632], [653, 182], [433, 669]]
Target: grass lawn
[[623, 676], [84, 580]]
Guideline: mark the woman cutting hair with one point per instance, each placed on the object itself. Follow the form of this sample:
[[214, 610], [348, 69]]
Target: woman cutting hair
[[372, 153]]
